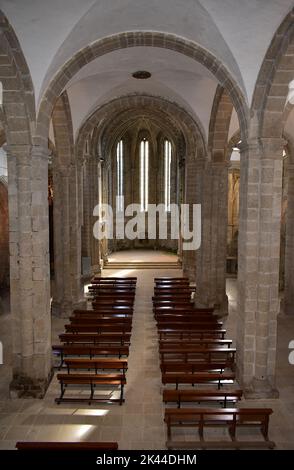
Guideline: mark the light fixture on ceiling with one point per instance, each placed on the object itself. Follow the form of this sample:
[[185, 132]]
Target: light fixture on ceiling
[[141, 75]]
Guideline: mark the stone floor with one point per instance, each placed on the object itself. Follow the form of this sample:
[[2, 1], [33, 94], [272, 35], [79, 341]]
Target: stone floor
[[138, 424]]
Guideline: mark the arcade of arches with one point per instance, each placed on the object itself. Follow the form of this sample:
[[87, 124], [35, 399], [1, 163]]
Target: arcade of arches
[[212, 123]]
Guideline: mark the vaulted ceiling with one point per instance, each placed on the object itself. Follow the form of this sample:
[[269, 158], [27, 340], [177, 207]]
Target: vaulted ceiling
[[237, 32]]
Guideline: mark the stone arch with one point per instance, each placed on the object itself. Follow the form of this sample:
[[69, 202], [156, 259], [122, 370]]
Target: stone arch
[[133, 39], [272, 84], [111, 131], [219, 125], [192, 129]]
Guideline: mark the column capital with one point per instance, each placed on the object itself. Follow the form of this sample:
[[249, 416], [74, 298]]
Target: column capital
[[41, 152], [220, 165], [16, 150], [263, 144]]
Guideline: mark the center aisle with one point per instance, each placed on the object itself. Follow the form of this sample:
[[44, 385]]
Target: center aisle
[[138, 424]]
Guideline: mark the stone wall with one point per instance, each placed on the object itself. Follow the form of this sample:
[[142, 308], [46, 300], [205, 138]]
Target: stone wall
[[4, 237]]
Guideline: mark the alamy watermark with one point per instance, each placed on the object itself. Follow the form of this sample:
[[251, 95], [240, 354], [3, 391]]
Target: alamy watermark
[[183, 221]]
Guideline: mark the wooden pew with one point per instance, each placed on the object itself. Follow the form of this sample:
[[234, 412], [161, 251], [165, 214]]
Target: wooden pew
[[181, 317], [103, 314], [230, 418], [195, 325], [113, 282], [69, 446], [112, 302], [204, 343], [112, 286], [186, 333], [174, 307], [173, 290], [178, 378], [89, 350], [169, 278], [207, 354], [97, 364], [117, 308], [95, 338], [109, 279], [171, 297], [101, 328], [102, 295], [170, 367], [91, 380], [182, 303], [199, 396], [92, 320], [95, 290]]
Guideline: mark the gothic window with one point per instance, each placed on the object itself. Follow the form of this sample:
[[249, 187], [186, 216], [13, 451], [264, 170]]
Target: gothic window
[[120, 169], [144, 174], [167, 174]]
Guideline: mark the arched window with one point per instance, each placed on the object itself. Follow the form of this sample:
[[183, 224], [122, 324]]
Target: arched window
[[144, 174], [167, 174], [119, 174]]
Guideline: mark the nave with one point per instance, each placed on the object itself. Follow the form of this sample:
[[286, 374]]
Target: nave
[[139, 422]]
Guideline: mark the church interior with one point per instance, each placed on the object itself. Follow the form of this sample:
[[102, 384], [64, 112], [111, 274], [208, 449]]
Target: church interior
[[111, 335]]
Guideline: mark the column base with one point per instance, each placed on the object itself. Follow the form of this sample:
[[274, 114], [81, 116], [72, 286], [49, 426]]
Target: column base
[[96, 270], [287, 309], [222, 309], [259, 389], [27, 387]]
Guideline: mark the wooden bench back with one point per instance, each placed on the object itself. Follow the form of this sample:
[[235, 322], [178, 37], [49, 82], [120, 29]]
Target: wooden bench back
[[116, 338], [92, 320], [188, 318], [102, 328], [91, 350], [196, 325], [186, 333], [206, 342]]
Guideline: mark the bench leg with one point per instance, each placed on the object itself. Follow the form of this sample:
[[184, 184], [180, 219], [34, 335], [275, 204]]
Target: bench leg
[[201, 429], [121, 398], [61, 360], [168, 430], [232, 429], [62, 390], [264, 428], [92, 393]]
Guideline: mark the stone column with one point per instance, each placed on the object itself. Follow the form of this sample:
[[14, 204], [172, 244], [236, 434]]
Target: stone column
[[68, 291], [93, 201], [203, 256], [191, 188], [86, 225], [289, 248], [211, 257], [29, 270], [258, 274], [218, 229]]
